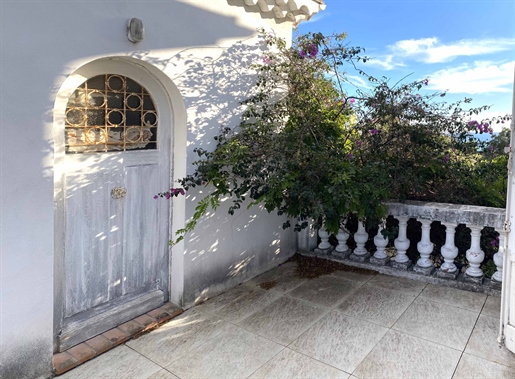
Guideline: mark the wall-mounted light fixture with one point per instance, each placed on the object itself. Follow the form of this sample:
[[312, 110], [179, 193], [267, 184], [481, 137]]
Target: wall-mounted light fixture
[[135, 30]]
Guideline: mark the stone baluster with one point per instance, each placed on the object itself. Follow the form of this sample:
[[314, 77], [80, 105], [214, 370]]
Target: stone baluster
[[342, 249], [449, 252], [424, 265], [324, 246], [380, 257], [475, 256], [360, 254], [402, 244], [499, 259]]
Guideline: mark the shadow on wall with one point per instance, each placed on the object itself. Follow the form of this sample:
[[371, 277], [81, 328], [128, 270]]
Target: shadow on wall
[[259, 246], [224, 250], [213, 81], [33, 174]]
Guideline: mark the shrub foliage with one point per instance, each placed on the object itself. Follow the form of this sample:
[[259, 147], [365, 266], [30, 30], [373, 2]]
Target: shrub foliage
[[310, 149]]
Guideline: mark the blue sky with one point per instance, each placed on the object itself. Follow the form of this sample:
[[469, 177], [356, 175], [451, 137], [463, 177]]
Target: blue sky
[[466, 47]]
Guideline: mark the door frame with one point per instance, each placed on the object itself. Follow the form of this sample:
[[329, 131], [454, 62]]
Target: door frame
[[170, 100], [507, 314]]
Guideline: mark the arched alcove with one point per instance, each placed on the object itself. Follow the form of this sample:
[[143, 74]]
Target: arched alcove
[[112, 259]]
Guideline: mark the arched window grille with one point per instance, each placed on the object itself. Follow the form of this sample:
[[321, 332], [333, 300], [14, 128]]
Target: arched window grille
[[110, 113]]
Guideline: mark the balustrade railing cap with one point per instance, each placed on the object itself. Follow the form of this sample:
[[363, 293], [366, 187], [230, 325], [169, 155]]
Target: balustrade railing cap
[[444, 212]]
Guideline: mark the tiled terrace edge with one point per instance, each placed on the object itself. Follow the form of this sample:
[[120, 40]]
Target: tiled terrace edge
[[485, 288], [83, 352]]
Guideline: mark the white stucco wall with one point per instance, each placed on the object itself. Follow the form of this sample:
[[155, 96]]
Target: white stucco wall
[[193, 42]]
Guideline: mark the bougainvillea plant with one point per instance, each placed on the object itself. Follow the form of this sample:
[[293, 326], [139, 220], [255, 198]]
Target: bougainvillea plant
[[309, 149]]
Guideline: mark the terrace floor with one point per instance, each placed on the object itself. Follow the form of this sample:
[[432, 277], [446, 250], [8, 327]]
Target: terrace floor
[[348, 324]]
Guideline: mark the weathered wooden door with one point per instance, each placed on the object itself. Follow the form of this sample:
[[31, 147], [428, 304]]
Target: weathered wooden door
[[507, 332], [117, 149]]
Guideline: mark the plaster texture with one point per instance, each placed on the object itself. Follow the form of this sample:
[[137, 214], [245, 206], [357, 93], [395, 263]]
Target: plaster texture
[[200, 51]]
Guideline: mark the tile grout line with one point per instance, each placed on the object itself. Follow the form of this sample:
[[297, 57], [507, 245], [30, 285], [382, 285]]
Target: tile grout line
[[425, 339], [389, 329]]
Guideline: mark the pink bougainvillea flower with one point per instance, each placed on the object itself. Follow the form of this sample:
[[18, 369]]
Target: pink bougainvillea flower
[[313, 50], [155, 196], [352, 101]]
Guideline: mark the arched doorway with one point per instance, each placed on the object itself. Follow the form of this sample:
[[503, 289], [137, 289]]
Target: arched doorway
[[114, 121]]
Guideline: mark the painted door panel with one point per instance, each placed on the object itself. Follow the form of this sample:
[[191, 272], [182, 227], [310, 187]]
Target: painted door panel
[[115, 253]]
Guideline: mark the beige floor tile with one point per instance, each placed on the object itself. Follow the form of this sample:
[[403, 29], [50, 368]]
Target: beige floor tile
[[377, 305], [472, 301], [289, 364], [399, 355], [163, 374], [283, 320], [236, 353], [440, 323], [252, 300], [483, 342], [404, 285], [471, 367], [216, 303], [492, 306], [119, 363], [178, 337], [356, 276], [340, 341], [327, 290], [282, 279]]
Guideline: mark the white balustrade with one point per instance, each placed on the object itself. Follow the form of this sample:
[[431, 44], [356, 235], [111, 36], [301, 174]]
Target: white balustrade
[[402, 242], [450, 215], [324, 239], [475, 255], [449, 250], [380, 241], [361, 238], [342, 237], [425, 247], [380, 257]]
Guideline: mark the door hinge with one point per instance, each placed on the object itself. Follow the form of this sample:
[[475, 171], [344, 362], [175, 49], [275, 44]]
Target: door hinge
[[506, 226]]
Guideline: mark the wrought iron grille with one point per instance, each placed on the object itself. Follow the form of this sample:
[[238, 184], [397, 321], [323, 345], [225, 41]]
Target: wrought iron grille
[[110, 113]]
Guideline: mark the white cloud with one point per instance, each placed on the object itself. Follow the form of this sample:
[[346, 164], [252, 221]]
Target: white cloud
[[489, 115], [387, 62], [432, 50], [358, 81], [480, 77]]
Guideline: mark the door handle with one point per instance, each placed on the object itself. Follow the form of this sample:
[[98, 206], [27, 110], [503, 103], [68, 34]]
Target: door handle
[[118, 192]]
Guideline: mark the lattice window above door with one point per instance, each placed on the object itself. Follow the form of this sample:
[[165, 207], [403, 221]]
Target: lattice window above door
[[110, 113]]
